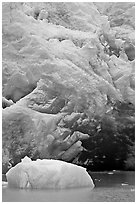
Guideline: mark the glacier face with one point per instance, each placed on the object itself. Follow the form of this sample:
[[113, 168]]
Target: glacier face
[[48, 174], [64, 60]]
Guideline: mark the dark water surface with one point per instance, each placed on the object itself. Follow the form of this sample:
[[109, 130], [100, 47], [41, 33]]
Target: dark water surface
[[114, 186]]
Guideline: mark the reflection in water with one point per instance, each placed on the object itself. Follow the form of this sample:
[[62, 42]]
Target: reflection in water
[[109, 186]]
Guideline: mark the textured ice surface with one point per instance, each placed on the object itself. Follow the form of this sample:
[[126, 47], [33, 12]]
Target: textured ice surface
[[48, 174]]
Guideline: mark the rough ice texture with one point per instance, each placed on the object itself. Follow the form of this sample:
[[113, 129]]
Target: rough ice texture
[[38, 135], [48, 174], [56, 66]]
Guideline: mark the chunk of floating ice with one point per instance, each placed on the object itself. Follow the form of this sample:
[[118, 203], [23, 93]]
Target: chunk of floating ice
[[124, 184], [48, 174]]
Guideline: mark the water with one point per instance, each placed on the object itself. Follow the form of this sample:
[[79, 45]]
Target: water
[[113, 178], [109, 186]]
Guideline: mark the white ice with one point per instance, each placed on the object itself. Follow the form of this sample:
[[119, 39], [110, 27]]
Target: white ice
[[50, 174]]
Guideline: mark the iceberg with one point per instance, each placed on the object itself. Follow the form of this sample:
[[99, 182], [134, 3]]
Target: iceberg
[[48, 174]]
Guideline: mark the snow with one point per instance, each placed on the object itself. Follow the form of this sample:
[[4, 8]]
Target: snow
[[48, 174]]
